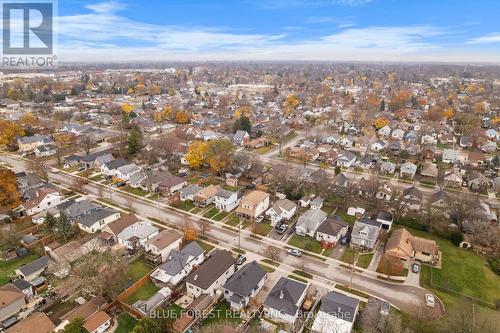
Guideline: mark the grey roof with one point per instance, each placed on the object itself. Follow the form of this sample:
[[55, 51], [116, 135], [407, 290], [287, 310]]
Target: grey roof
[[35, 138], [317, 201], [284, 204], [332, 225], [311, 217], [97, 215], [239, 135], [178, 259], [246, 279], [211, 270], [104, 156], [226, 194], [285, 295], [34, 266], [172, 181], [45, 148], [80, 208], [115, 164], [335, 303], [372, 228], [21, 284], [190, 190], [128, 168]]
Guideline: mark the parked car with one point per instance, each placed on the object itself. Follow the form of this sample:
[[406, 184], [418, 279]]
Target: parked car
[[429, 300], [385, 309], [241, 260], [121, 184], [54, 170], [294, 252], [415, 268], [345, 240], [282, 229], [259, 219]]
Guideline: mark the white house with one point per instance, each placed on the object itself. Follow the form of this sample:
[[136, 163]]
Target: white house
[[45, 150], [331, 230], [282, 209], [253, 205], [244, 285], [188, 193], [137, 234], [226, 200], [178, 264], [126, 171], [211, 276], [346, 160], [309, 222], [378, 146], [97, 219], [43, 199]]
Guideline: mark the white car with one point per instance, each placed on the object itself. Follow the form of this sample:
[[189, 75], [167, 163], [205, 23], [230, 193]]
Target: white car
[[259, 219], [429, 300], [54, 170], [294, 252]]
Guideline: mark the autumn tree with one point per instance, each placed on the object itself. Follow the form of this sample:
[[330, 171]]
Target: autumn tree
[[127, 108], [28, 119], [9, 131], [380, 122], [182, 117], [219, 154], [9, 192], [291, 104], [197, 155], [243, 110], [190, 233]]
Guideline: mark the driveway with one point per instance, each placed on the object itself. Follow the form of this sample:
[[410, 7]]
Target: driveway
[[379, 251]]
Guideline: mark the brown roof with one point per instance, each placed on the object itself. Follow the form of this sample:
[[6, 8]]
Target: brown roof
[[254, 197], [125, 221], [165, 238], [40, 194], [208, 192], [425, 245], [85, 310], [9, 294], [476, 156], [97, 319], [38, 322], [400, 242]]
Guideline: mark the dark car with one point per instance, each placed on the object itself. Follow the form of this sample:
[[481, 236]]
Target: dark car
[[250, 187], [345, 240], [121, 184], [415, 268]]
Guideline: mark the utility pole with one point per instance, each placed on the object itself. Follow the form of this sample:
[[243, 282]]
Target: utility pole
[[239, 235], [355, 259]]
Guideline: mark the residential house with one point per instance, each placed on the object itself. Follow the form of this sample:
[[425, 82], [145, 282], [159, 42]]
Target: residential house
[[285, 300], [331, 231], [188, 193], [378, 146], [171, 185], [341, 180], [27, 144], [137, 179], [475, 158], [346, 160], [398, 134], [152, 183], [33, 270], [43, 199], [478, 182], [282, 209], [365, 233], [407, 170], [12, 301], [37, 322], [125, 172], [45, 150], [403, 246], [317, 203], [386, 219], [99, 322], [145, 307], [178, 264], [347, 142], [137, 234], [206, 195], [337, 313], [158, 248], [97, 220], [412, 198], [429, 173], [387, 168], [309, 222], [385, 192], [253, 205], [111, 231], [95, 160], [241, 138], [453, 178], [226, 200], [75, 210], [466, 141], [245, 284], [384, 131], [211, 276], [440, 203], [450, 156], [109, 168]]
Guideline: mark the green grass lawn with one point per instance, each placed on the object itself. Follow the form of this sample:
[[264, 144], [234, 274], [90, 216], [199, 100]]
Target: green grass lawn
[[172, 312], [184, 205], [137, 269], [233, 220], [265, 149], [220, 216], [364, 260], [328, 209], [97, 178], [306, 243], [143, 293], [196, 210], [7, 268], [462, 271], [137, 191], [348, 255], [211, 213], [263, 229], [126, 323], [205, 246], [328, 252], [347, 218], [222, 313], [267, 268]]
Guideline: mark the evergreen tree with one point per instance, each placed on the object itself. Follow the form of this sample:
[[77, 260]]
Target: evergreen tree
[[75, 326], [382, 105], [50, 222], [243, 123], [134, 141], [64, 228]]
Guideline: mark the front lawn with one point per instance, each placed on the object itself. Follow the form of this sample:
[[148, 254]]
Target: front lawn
[[7, 268], [233, 220], [211, 213], [137, 269], [205, 246], [97, 178], [220, 216], [348, 255], [364, 260], [306, 243], [184, 205], [143, 293], [262, 229], [137, 191], [222, 313], [126, 323]]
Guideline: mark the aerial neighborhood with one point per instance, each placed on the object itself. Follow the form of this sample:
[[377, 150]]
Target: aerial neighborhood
[[319, 198]]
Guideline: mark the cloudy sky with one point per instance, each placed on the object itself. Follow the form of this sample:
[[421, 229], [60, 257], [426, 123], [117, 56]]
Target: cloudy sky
[[342, 30]]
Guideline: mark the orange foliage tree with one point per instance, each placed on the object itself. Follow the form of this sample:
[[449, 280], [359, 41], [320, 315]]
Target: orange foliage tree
[[9, 193]]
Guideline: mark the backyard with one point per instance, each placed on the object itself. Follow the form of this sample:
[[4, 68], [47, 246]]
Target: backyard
[[143, 293], [137, 269], [221, 313], [126, 323], [7, 268]]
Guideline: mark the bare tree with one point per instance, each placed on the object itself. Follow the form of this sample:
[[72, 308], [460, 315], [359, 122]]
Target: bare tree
[[39, 168], [273, 253]]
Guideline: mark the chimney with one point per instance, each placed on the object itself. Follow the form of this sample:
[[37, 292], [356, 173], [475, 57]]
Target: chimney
[[282, 294], [196, 277]]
